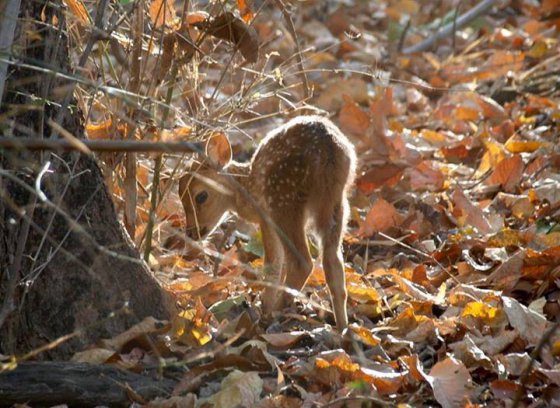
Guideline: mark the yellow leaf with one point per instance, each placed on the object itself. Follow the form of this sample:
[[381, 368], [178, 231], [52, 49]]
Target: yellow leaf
[[481, 311], [493, 155], [201, 336], [365, 335], [362, 294], [433, 136], [523, 146], [538, 50]]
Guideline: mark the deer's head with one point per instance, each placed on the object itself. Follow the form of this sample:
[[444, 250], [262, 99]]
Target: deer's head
[[204, 189]]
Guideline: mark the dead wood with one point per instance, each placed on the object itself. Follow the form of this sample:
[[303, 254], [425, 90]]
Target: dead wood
[[78, 384]]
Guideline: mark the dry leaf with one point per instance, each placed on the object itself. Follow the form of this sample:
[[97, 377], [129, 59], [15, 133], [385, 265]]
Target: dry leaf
[[232, 29], [451, 382]]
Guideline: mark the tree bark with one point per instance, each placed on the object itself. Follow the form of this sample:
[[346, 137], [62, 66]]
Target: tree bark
[[78, 384], [65, 262]]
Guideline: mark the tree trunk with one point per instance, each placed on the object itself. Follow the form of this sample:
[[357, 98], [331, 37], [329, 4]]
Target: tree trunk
[[65, 262]]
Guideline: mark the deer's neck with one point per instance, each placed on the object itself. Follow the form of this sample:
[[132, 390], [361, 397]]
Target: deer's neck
[[243, 190]]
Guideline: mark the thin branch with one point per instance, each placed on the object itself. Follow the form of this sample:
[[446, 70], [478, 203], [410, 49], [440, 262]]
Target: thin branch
[[478, 10], [534, 355], [9, 11], [292, 30], [27, 143]]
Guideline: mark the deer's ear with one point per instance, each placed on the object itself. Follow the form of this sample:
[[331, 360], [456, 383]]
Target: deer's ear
[[183, 185], [218, 149]]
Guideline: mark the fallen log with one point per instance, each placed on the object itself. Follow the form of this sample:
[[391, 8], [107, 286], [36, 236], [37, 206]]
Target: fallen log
[[78, 384]]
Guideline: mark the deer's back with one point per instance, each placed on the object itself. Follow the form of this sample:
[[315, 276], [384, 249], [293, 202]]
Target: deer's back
[[302, 164]]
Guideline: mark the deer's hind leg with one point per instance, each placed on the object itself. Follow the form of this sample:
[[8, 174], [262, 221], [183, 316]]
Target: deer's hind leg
[[273, 259], [330, 230]]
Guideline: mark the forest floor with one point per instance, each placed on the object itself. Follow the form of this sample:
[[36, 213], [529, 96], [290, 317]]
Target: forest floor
[[453, 246]]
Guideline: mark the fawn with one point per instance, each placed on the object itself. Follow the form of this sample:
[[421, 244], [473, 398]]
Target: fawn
[[297, 179]]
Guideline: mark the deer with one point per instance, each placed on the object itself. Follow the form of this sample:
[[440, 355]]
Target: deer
[[297, 181]]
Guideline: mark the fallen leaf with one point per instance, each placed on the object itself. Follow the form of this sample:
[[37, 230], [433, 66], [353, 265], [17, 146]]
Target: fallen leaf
[[530, 324], [507, 173], [451, 382], [380, 218], [238, 389], [227, 26]]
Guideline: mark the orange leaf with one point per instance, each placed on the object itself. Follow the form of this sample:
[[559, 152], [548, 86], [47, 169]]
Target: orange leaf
[[79, 10], [380, 218], [464, 113], [245, 11], [426, 177], [388, 175], [508, 173], [103, 130], [352, 118], [365, 335], [162, 12]]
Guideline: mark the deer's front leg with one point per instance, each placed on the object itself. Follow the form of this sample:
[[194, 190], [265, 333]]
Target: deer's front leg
[[299, 264], [273, 258]]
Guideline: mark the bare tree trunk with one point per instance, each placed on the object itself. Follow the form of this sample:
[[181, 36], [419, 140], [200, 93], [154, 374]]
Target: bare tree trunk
[[65, 262]]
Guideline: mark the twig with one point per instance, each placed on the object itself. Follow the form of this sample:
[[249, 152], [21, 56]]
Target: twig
[[93, 37], [454, 36], [14, 269], [157, 171], [9, 13], [478, 10], [130, 187], [30, 143], [525, 375], [343, 400], [403, 35], [292, 30]]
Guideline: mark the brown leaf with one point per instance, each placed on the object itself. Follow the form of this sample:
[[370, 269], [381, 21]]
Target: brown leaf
[[426, 177], [451, 382], [94, 356], [331, 99], [380, 218], [187, 401], [168, 53], [469, 353], [530, 324], [233, 29], [505, 389], [238, 389], [387, 175], [146, 326], [508, 274], [353, 119], [283, 340], [162, 12], [469, 212], [507, 174]]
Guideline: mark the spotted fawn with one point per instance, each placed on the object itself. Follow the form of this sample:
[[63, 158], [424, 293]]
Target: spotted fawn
[[297, 182]]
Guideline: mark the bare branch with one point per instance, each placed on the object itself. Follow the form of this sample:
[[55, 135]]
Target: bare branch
[[23, 143], [478, 10]]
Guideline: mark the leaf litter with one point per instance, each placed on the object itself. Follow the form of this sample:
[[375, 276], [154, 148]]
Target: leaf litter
[[453, 248]]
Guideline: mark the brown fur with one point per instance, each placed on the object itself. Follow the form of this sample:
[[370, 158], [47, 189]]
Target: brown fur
[[297, 180]]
